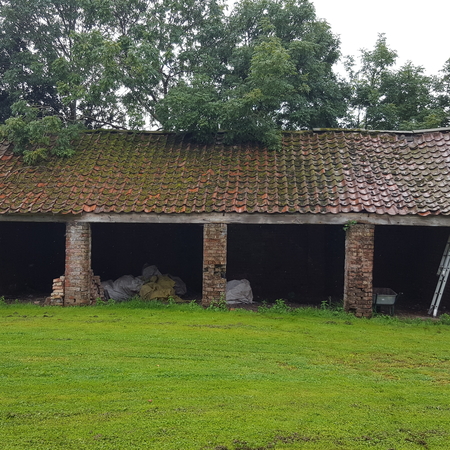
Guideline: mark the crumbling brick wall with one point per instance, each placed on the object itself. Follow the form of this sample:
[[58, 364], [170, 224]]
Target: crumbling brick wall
[[359, 248], [57, 296], [214, 262], [77, 283]]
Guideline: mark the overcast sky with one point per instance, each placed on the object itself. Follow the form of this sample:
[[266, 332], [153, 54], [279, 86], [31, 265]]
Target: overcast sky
[[419, 31]]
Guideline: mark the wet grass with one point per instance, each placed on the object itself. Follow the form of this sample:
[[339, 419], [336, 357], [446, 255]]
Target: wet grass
[[178, 377]]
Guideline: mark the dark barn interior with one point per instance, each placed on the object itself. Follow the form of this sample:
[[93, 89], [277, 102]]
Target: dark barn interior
[[32, 255], [299, 263], [406, 259], [123, 249]]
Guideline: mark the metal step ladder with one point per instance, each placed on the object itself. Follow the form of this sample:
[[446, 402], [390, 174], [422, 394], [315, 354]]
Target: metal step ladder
[[443, 272]]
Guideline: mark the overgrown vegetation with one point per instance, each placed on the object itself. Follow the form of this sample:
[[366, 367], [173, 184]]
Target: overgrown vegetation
[[37, 134], [180, 65], [192, 66], [384, 97], [170, 376]]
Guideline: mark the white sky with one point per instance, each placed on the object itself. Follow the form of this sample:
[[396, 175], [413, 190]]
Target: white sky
[[418, 31]]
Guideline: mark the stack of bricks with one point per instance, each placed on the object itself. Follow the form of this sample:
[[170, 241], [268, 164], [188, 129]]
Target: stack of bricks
[[358, 290], [214, 262], [78, 264], [57, 296], [97, 291]]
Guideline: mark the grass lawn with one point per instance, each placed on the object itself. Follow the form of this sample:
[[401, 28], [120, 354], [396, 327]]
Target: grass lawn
[[180, 377]]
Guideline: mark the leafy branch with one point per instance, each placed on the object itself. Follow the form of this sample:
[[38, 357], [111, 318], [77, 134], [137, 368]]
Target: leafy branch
[[35, 134]]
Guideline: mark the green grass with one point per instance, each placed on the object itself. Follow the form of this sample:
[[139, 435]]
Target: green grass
[[179, 377]]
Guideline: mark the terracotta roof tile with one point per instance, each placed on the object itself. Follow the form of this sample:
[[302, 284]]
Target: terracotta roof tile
[[317, 172]]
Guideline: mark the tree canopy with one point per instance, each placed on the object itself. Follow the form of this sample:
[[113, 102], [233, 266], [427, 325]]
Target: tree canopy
[[272, 70], [386, 98], [192, 66]]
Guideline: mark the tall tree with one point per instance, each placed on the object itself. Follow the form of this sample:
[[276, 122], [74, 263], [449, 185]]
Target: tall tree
[[442, 89], [38, 43], [273, 70], [58, 51], [24, 74], [384, 97], [102, 61], [180, 65]]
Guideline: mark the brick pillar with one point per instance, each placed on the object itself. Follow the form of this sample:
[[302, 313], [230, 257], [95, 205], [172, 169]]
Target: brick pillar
[[214, 262], [359, 246], [77, 283]]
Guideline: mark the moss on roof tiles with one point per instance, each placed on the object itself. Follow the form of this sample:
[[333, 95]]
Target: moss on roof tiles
[[165, 173]]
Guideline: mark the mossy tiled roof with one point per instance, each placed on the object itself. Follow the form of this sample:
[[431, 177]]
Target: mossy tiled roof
[[315, 172]]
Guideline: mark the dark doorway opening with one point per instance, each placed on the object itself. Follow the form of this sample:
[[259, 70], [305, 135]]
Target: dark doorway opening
[[406, 259], [123, 249], [299, 263], [33, 255]]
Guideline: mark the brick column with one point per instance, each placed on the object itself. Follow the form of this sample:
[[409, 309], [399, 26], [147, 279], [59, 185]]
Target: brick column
[[359, 246], [214, 262], [77, 283]]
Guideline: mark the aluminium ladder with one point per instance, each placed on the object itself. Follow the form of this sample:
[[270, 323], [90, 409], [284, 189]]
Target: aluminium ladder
[[443, 272]]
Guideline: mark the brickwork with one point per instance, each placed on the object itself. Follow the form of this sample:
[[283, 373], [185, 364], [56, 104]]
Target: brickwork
[[214, 262], [97, 291], [78, 276], [359, 247], [57, 296]]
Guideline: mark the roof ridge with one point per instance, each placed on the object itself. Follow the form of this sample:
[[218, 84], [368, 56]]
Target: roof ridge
[[364, 130], [123, 131], [308, 131]]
